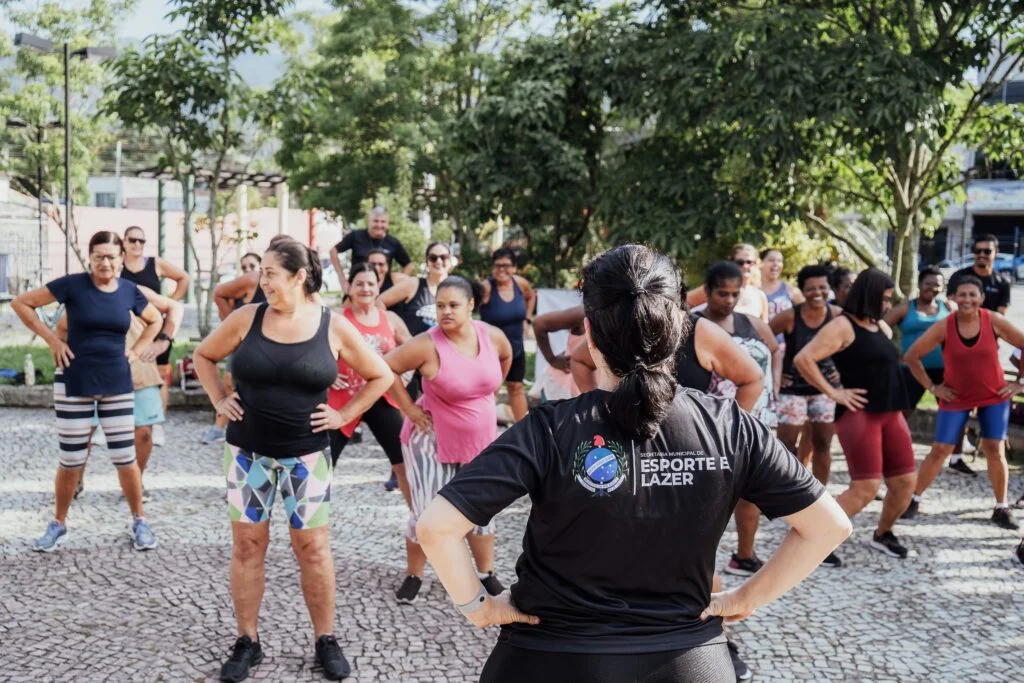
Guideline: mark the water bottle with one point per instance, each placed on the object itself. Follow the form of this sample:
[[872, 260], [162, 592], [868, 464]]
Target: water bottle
[[30, 371]]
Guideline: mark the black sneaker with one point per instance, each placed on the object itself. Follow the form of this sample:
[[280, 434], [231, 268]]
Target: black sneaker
[[492, 585], [888, 544], [357, 436], [961, 467], [409, 591], [911, 510], [1020, 552], [739, 566], [832, 561], [1020, 503], [743, 672], [331, 659], [244, 654], [1004, 518], [79, 489]]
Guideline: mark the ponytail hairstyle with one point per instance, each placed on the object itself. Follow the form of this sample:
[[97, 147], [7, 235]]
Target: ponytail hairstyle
[[295, 256], [631, 298]]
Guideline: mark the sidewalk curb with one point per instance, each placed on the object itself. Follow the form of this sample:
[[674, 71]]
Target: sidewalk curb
[[41, 396]]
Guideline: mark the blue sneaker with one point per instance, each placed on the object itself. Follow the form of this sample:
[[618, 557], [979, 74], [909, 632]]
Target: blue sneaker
[[392, 483], [54, 536], [142, 535]]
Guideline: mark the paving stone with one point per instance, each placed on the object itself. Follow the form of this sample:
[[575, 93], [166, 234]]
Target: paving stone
[[98, 611]]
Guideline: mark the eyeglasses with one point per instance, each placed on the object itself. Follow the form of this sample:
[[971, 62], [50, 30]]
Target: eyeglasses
[[377, 264], [503, 266], [985, 252], [745, 262], [137, 240], [100, 258], [434, 258]]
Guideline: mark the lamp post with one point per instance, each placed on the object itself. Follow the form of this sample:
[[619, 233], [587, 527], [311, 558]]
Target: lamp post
[[40, 137], [46, 46]]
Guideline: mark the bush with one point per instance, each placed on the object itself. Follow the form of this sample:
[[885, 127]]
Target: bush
[[14, 357]]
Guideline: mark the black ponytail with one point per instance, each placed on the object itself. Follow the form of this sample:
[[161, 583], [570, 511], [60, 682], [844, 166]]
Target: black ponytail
[[631, 299], [296, 256]]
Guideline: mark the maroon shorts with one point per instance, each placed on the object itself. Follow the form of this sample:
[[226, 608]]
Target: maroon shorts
[[876, 444]]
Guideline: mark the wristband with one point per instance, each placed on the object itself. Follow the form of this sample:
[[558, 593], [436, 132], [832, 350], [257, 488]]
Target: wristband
[[474, 604], [162, 336]]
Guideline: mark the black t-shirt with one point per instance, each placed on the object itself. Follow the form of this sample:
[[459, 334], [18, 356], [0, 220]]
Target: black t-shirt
[[997, 287], [620, 545], [360, 242]]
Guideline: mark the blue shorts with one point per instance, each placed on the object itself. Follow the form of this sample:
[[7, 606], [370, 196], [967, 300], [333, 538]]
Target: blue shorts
[[993, 420], [148, 409]]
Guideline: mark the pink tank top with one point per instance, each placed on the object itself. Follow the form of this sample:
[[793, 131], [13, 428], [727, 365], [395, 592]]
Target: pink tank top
[[460, 398]]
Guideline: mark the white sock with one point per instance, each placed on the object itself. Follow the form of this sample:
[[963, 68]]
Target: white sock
[[483, 575], [955, 458], [1000, 505], [916, 498]]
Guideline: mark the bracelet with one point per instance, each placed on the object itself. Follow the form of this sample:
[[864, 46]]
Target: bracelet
[[474, 604]]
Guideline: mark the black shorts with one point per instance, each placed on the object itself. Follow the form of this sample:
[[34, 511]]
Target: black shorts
[[165, 357], [385, 423], [517, 371], [914, 390], [703, 664]]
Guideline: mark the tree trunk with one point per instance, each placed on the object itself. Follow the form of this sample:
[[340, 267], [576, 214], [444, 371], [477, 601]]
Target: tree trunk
[[206, 305]]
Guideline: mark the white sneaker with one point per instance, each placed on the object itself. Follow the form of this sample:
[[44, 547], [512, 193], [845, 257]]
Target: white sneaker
[[159, 438]]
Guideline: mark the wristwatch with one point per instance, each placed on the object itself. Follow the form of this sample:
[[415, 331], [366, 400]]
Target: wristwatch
[[474, 604], [162, 336]]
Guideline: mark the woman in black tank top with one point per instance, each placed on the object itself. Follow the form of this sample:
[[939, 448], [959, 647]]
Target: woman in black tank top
[[869, 418], [285, 358], [417, 294], [803, 408]]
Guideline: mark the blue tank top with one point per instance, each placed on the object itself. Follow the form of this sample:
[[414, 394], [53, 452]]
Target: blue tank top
[[508, 315], [779, 301], [915, 324]]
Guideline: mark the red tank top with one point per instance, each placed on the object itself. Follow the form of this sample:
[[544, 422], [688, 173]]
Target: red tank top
[[381, 339], [973, 372]]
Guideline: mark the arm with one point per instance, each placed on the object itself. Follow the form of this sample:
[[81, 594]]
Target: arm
[[717, 352], [925, 344], [354, 350], [25, 306], [832, 339], [399, 327], [764, 306], [529, 295], [503, 347], [165, 268], [583, 370], [543, 325], [402, 258], [1013, 335], [696, 297], [896, 314], [416, 354], [336, 262], [154, 321], [795, 295], [485, 289], [224, 340], [815, 531], [403, 291], [172, 312], [783, 322], [226, 293], [408, 268]]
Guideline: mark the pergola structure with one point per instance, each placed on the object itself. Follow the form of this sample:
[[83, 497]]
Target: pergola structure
[[227, 179]]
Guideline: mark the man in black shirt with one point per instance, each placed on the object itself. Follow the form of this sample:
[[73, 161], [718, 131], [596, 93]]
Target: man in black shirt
[[997, 285], [362, 242]]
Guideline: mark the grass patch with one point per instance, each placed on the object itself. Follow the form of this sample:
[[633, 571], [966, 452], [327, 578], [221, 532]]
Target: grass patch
[[14, 357]]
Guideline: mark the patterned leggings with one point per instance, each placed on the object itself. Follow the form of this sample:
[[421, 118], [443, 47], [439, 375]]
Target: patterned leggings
[[74, 424], [426, 477]]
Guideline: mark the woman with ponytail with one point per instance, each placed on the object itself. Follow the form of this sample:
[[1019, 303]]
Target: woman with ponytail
[[632, 487], [285, 358]]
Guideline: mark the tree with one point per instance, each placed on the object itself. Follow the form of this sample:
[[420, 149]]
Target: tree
[[831, 109], [37, 146], [185, 87]]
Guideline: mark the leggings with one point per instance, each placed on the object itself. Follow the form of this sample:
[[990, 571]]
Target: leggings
[[703, 664], [385, 422], [426, 477], [74, 424]]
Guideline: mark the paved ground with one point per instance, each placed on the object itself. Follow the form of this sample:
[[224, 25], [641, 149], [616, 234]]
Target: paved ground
[[97, 611]]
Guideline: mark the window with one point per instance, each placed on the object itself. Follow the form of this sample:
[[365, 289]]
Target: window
[[106, 199]]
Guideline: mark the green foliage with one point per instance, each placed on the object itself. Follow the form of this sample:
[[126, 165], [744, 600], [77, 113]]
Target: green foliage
[[14, 357]]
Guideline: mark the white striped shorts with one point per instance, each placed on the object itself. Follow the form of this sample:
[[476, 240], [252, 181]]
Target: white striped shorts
[[74, 425], [426, 477]]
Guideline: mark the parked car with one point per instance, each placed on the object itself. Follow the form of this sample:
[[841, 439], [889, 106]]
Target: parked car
[[1005, 263]]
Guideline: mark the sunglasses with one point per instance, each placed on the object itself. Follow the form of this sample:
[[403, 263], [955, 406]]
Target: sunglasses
[[502, 266], [986, 252], [137, 240], [434, 258], [745, 262]]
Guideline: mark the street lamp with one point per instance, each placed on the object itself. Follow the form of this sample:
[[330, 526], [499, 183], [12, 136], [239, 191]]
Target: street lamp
[[46, 46], [40, 129]]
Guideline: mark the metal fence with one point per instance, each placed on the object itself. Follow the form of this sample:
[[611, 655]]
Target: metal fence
[[19, 262]]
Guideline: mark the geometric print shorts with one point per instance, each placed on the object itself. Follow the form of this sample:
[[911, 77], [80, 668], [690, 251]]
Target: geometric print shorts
[[253, 481]]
